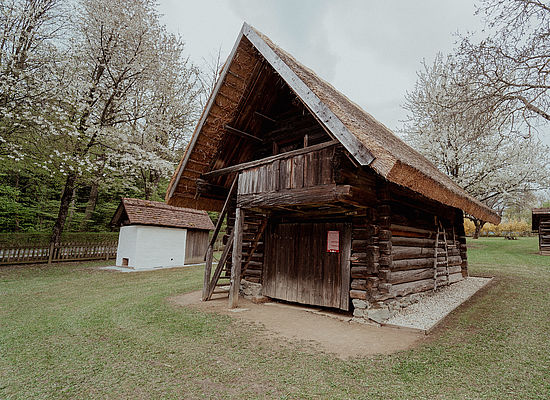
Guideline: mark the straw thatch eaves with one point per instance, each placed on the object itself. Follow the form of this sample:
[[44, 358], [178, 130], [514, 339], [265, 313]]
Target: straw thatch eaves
[[368, 141], [155, 213]]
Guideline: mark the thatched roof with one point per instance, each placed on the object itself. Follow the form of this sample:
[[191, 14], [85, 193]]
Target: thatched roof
[[146, 212], [538, 215], [368, 141]]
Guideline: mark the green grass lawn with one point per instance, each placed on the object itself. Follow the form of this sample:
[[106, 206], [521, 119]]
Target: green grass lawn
[[71, 331]]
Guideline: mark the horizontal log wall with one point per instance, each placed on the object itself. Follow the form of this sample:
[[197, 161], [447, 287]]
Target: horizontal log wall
[[365, 255], [426, 249], [397, 250]]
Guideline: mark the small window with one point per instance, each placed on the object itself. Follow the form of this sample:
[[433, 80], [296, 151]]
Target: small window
[[124, 262]]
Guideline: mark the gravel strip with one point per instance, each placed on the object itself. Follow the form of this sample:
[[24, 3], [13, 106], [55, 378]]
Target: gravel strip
[[432, 307]]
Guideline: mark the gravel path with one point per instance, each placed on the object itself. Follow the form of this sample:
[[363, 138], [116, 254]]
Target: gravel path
[[432, 307]]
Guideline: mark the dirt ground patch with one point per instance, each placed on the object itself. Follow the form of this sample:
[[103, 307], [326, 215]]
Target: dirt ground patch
[[330, 332]]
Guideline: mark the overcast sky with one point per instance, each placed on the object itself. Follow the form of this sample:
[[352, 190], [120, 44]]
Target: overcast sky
[[369, 50]]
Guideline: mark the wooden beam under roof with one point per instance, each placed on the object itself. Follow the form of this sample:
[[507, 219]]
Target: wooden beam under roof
[[242, 134], [290, 197], [264, 116]]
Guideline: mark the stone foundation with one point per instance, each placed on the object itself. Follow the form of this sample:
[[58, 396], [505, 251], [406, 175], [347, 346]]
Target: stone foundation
[[252, 291], [381, 311]]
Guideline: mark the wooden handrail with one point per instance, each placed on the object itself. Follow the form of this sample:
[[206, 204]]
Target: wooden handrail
[[206, 292], [219, 268], [223, 212]]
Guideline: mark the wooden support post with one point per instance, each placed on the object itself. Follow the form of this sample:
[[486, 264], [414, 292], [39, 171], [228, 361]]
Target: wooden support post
[[345, 266], [236, 258], [207, 272]]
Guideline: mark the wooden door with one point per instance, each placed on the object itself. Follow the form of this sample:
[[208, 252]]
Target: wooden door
[[298, 268]]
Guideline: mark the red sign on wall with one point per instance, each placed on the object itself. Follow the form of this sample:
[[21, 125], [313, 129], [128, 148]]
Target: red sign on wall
[[333, 241]]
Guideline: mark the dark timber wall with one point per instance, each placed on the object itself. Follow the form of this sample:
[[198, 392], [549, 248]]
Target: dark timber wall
[[195, 246], [544, 235], [404, 246], [400, 243]]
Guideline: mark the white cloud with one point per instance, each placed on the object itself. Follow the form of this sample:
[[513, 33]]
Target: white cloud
[[369, 50]]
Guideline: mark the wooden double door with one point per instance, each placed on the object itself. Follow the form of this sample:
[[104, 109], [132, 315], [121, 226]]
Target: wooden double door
[[298, 267]]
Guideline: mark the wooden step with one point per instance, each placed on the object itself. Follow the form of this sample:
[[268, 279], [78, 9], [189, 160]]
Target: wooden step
[[254, 255], [255, 264], [254, 272], [250, 244]]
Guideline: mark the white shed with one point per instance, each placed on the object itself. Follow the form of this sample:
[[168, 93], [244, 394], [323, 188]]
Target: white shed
[[154, 234]]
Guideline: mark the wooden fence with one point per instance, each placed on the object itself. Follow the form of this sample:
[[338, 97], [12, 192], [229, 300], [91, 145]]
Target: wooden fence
[[10, 255]]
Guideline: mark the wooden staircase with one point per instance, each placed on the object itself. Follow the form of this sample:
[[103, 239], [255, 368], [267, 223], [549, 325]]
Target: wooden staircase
[[252, 246], [253, 227]]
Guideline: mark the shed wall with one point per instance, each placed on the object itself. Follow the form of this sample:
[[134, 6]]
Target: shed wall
[[151, 246], [126, 244], [544, 235]]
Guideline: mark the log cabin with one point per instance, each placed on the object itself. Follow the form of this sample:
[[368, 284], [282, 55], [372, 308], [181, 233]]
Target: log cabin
[[541, 225], [325, 205]]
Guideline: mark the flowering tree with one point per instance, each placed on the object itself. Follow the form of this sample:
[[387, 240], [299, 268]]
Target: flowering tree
[[93, 92], [470, 140], [129, 98], [509, 68], [27, 31]]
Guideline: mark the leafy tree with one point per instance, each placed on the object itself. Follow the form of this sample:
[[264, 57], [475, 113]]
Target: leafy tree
[[97, 102], [471, 141], [509, 69]]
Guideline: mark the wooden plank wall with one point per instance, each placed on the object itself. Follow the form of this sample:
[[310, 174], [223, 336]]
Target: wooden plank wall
[[302, 171], [195, 246], [298, 267]]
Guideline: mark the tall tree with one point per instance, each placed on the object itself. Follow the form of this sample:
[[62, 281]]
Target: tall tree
[[509, 68], [118, 52], [28, 29], [471, 141]]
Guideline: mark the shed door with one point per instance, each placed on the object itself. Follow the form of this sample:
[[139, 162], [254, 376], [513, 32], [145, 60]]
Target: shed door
[[299, 268]]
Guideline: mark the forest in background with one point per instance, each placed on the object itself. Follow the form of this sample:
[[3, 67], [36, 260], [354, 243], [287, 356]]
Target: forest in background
[[98, 102]]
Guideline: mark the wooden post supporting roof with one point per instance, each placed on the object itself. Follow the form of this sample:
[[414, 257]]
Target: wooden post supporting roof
[[236, 259], [345, 266]]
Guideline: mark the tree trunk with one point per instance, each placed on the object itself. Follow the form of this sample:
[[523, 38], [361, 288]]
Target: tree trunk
[[66, 198], [17, 227], [90, 206], [147, 191], [479, 225], [71, 210]]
